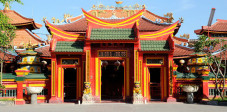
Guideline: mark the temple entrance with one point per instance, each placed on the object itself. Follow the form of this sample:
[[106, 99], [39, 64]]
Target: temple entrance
[[155, 88], [112, 77], [70, 79]]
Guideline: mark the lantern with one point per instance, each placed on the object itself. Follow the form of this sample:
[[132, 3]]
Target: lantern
[[182, 61], [104, 64], [117, 64], [123, 63]]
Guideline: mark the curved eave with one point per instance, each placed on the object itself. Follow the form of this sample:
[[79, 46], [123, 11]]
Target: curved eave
[[156, 15], [172, 29], [135, 16], [29, 20], [62, 34], [34, 36]]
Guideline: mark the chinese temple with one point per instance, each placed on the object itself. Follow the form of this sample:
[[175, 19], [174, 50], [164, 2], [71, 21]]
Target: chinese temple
[[103, 53], [109, 53]]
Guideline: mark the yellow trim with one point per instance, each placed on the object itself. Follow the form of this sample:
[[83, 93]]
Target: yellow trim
[[69, 59], [163, 60], [145, 82], [62, 82], [158, 33], [114, 23], [11, 86], [37, 85], [140, 72], [96, 76], [19, 99], [24, 85], [67, 37], [53, 78], [62, 31], [80, 82], [127, 77], [59, 81], [8, 79], [41, 98], [213, 85], [87, 65], [218, 78], [136, 64]]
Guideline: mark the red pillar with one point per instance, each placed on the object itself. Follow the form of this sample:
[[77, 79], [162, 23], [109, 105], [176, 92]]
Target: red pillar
[[205, 76], [54, 81], [19, 99], [171, 80]]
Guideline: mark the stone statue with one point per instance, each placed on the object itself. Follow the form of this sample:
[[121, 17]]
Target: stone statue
[[87, 96], [137, 95]]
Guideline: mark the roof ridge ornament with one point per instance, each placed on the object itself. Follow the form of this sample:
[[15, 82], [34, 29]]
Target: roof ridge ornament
[[169, 17], [7, 6]]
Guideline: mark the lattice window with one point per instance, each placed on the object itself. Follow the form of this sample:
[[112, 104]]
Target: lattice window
[[8, 93]]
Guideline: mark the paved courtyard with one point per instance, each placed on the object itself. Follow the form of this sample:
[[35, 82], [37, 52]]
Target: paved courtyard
[[154, 107]]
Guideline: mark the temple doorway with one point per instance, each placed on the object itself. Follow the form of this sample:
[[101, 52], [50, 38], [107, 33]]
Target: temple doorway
[[112, 77], [155, 88], [70, 79]]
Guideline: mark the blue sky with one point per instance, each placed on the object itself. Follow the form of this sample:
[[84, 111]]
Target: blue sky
[[195, 12]]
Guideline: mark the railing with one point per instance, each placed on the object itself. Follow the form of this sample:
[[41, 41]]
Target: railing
[[8, 93]]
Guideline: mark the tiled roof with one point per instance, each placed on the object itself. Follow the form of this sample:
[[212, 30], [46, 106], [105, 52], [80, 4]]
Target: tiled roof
[[81, 25], [178, 40], [44, 50], [19, 20], [181, 51], [154, 45], [119, 14], [23, 37], [112, 34], [69, 46], [219, 26]]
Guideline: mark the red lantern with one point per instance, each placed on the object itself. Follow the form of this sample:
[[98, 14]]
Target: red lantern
[[123, 63]]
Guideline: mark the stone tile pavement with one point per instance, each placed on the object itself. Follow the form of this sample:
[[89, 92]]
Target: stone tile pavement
[[115, 107]]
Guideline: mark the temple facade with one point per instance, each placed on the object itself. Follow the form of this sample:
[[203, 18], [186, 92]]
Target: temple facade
[[109, 49], [109, 53]]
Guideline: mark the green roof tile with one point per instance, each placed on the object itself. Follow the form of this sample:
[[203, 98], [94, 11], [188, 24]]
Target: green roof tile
[[154, 45], [68, 46], [112, 34]]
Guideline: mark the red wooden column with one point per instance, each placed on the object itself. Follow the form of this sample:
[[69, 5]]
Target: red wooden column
[[170, 80], [20, 80], [205, 79], [54, 81], [20, 100]]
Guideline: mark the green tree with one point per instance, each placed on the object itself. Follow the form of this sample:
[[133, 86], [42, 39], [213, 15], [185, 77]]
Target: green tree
[[6, 32], [217, 63]]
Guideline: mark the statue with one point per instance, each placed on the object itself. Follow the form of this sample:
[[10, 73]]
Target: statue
[[87, 96], [169, 17], [137, 95]]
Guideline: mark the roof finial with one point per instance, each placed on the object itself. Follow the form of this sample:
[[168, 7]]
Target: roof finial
[[7, 6], [119, 2]]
